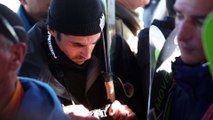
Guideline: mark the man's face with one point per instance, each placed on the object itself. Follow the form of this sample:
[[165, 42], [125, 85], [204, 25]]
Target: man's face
[[37, 9], [5, 56], [189, 21], [78, 48]]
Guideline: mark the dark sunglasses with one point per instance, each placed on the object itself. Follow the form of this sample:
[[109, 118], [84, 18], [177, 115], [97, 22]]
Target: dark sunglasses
[[7, 30]]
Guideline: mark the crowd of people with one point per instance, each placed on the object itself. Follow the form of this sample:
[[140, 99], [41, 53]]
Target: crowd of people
[[54, 63]]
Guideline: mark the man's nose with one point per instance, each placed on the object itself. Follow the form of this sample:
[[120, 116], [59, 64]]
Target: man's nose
[[184, 31], [87, 52]]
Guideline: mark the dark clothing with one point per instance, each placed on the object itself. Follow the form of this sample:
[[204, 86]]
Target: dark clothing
[[192, 94], [83, 84], [188, 96], [166, 26], [209, 113], [27, 21]]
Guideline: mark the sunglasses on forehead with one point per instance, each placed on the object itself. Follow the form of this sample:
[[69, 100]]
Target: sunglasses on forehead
[[7, 30]]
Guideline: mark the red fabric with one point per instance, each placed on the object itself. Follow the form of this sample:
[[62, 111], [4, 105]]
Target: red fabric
[[209, 114]]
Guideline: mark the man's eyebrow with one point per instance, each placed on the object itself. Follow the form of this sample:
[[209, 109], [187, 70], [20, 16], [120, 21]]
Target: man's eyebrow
[[80, 44], [76, 43], [193, 16], [199, 17]]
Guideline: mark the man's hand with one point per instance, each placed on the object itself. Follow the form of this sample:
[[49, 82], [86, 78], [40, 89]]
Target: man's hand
[[121, 112], [78, 112]]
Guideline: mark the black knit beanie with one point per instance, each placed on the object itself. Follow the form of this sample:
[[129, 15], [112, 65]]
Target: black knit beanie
[[15, 22], [76, 17]]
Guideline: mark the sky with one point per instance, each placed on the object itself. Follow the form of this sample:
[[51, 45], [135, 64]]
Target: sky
[[12, 4]]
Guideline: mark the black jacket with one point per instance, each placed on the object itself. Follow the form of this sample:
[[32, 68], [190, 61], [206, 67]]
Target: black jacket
[[82, 84], [166, 26]]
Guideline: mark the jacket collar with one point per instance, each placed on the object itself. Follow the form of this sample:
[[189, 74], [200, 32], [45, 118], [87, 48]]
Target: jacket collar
[[193, 79]]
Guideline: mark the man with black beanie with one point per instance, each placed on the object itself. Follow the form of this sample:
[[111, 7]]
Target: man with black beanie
[[67, 53]]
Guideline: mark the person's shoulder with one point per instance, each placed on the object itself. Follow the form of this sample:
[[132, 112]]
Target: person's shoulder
[[165, 25], [144, 33], [118, 36], [42, 98], [37, 34], [28, 80], [41, 25], [36, 84]]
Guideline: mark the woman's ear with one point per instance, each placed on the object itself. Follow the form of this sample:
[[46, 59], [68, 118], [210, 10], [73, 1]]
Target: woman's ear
[[18, 52]]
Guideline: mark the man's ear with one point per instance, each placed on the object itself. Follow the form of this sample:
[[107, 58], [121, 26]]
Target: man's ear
[[52, 31], [18, 52], [23, 2]]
